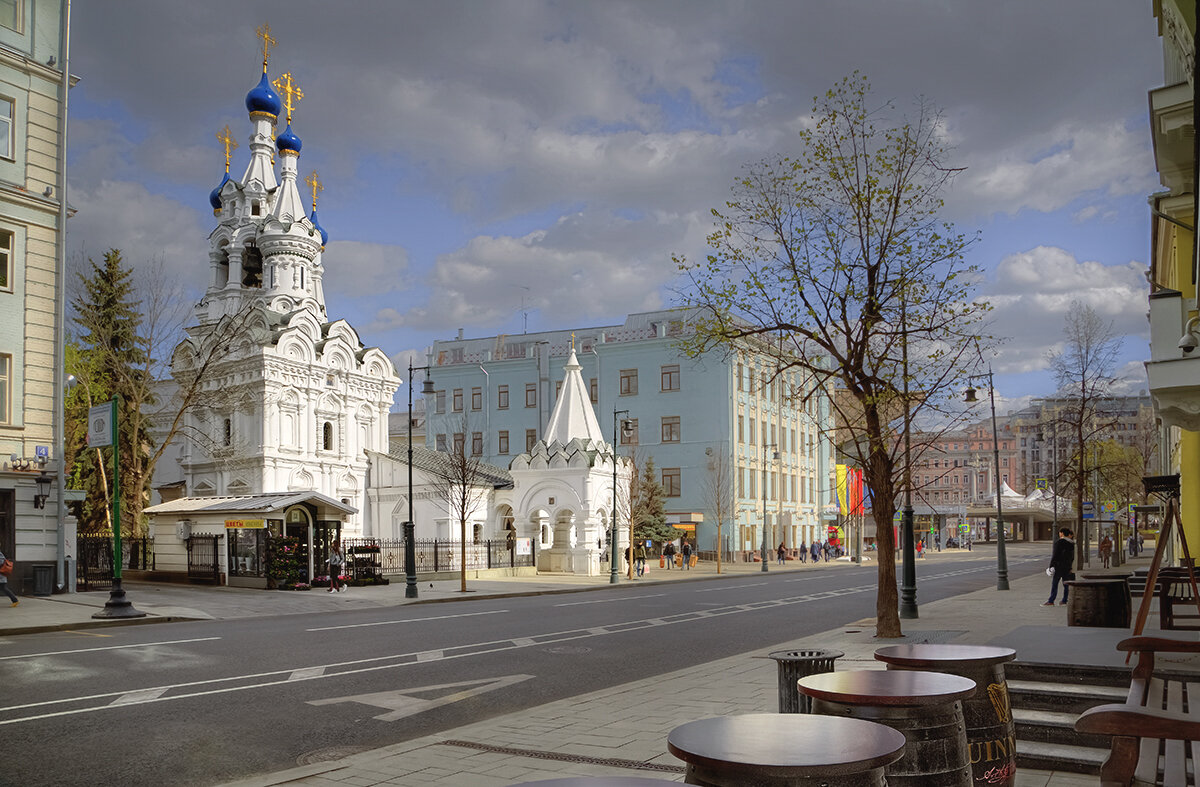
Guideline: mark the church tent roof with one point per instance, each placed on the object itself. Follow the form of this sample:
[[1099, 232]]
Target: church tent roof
[[573, 416]]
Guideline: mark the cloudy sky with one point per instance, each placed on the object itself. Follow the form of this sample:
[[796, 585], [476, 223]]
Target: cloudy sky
[[489, 165]]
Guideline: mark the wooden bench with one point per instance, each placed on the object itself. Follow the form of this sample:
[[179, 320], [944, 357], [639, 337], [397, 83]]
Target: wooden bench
[[1157, 729], [1177, 609]]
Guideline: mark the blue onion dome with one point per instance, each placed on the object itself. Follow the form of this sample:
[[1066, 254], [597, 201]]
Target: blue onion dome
[[288, 141], [263, 99], [214, 197], [320, 229]]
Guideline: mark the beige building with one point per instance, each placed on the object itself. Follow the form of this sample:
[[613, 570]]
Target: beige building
[[32, 181]]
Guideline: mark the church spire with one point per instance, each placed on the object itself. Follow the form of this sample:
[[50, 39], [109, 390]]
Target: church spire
[[573, 416], [288, 204], [263, 104]]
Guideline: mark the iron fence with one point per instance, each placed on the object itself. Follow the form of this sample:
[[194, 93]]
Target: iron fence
[[386, 556], [94, 559], [204, 557]]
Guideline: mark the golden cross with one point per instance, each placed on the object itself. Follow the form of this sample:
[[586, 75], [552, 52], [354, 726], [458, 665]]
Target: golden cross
[[315, 184], [226, 139], [291, 92], [264, 32], [572, 341]]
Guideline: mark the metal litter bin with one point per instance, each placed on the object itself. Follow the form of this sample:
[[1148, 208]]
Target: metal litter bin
[[797, 664], [43, 580]]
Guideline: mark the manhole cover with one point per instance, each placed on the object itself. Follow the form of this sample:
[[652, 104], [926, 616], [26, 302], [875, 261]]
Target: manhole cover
[[569, 650], [330, 753]]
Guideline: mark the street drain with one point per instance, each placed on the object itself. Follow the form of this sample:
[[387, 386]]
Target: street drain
[[330, 753], [610, 762]]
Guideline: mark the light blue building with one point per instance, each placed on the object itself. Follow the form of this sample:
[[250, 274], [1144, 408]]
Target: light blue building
[[700, 421]]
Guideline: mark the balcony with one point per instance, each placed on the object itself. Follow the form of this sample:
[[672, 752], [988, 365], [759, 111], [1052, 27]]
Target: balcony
[[1174, 365]]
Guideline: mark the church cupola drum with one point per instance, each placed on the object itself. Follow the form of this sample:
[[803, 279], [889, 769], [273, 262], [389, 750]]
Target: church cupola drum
[[298, 399]]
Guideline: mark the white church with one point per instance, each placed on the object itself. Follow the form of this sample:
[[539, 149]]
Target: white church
[[287, 435]]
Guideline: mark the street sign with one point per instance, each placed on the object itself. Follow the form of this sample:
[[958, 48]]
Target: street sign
[[100, 421], [1089, 510]]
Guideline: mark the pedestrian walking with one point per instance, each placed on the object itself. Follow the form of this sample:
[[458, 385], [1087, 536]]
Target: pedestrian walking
[[781, 553], [803, 553], [1106, 546], [335, 561], [687, 556], [1061, 559], [816, 552], [669, 554], [920, 547], [6, 563], [639, 559]]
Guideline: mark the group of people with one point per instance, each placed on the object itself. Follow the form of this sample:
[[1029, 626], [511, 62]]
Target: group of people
[[1062, 560]]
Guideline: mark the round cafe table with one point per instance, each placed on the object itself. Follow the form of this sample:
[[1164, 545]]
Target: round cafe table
[[991, 736], [785, 750], [926, 707]]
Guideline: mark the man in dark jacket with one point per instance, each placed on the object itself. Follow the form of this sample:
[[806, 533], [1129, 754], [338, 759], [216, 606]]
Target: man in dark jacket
[[1061, 560]]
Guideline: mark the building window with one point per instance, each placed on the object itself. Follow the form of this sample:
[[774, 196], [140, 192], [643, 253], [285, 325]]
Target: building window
[[670, 377], [5, 388], [6, 269], [476, 443], [503, 446], [741, 428], [502, 397], [557, 389], [630, 436], [753, 433], [594, 390], [327, 436], [12, 14], [530, 439], [476, 398], [458, 400], [671, 481], [440, 441], [531, 394], [741, 376], [741, 482], [459, 443], [439, 402], [629, 382], [227, 438], [670, 429]]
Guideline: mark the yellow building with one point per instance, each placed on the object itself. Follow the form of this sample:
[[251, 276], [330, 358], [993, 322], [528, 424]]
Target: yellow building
[[32, 129], [1174, 365]]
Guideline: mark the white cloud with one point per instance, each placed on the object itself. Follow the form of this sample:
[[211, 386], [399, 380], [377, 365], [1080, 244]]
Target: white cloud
[[356, 268]]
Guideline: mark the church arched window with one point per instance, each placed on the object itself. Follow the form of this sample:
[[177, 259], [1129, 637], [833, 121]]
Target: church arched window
[[327, 436], [228, 439]]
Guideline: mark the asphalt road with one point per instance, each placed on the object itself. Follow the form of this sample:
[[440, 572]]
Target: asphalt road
[[208, 702]]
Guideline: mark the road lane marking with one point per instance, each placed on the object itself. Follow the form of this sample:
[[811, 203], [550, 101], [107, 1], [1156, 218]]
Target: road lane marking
[[396, 661], [306, 673], [108, 647], [430, 655], [610, 600], [402, 703], [731, 587], [407, 620], [136, 697]]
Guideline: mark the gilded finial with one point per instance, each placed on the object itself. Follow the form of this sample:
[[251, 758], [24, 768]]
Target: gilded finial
[[226, 139], [572, 341], [264, 32], [290, 91], [315, 184]]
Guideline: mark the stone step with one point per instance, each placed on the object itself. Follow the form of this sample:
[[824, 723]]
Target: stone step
[[1062, 697], [1057, 757], [1055, 727], [1062, 674]]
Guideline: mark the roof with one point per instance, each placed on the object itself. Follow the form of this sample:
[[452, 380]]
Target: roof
[[436, 463], [266, 503], [573, 416]]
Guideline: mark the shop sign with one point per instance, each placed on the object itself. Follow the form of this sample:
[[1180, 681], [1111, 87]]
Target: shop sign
[[246, 523]]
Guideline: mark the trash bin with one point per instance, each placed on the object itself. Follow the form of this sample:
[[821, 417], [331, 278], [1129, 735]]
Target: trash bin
[[43, 580], [797, 664]]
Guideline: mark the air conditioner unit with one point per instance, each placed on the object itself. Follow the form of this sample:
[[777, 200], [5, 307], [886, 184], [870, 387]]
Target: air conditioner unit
[[183, 530]]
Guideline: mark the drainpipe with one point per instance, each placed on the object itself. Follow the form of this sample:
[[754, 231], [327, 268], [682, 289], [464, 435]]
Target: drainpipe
[[487, 409], [60, 296]]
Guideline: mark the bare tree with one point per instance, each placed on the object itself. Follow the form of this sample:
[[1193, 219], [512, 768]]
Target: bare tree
[[465, 481], [836, 263], [719, 495], [1082, 370]]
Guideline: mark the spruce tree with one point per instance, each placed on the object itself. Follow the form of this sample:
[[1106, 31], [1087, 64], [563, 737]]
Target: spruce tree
[[649, 508]]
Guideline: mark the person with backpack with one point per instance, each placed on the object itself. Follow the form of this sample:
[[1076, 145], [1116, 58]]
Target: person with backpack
[[5, 563]]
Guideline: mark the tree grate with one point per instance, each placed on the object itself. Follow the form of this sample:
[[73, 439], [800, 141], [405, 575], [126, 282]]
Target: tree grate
[[611, 762]]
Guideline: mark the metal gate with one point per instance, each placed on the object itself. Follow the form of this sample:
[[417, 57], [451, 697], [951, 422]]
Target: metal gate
[[204, 561], [94, 563]]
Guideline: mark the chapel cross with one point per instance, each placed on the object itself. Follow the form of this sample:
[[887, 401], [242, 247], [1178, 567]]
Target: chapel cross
[[291, 92], [226, 139], [264, 32], [572, 341], [315, 184]]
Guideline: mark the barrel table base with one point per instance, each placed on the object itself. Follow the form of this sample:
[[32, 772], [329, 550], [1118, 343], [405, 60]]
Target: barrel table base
[[725, 778], [991, 735]]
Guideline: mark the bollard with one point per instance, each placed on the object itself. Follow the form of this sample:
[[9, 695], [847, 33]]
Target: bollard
[[797, 664]]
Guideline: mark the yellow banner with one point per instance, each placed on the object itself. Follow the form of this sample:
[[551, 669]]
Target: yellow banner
[[843, 506], [246, 523]]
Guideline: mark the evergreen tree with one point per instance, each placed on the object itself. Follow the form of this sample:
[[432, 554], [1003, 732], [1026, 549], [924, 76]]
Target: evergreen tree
[[649, 511], [110, 358]]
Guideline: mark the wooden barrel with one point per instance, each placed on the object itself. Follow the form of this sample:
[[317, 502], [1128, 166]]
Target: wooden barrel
[[926, 707], [991, 735], [1099, 603]]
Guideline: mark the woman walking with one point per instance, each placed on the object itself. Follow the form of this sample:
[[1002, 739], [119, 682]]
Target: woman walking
[[335, 561], [4, 583]]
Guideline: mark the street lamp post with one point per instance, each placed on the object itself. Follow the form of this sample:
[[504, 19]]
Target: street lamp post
[[1001, 555], [765, 547], [908, 569], [613, 577], [410, 547]]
